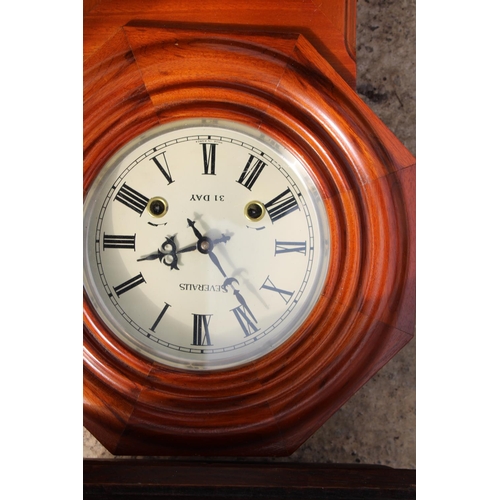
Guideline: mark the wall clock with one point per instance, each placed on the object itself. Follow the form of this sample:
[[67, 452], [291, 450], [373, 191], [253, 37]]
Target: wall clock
[[196, 229], [249, 240]]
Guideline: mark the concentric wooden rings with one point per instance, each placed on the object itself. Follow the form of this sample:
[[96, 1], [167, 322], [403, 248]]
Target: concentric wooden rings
[[147, 75]]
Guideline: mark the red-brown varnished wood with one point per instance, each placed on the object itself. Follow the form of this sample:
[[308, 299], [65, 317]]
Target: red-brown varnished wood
[[149, 73], [330, 25], [140, 479]]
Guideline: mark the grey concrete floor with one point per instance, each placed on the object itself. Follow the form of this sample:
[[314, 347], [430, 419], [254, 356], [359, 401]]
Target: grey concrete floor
[[377, 425]]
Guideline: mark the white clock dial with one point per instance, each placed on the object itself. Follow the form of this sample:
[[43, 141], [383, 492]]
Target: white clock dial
[[206, 244]]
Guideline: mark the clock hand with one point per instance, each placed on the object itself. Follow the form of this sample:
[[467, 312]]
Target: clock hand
[[169, 259], [229, 282], [195, 230], [152, 256], [237, 294], [243, 302], [167, 253], [205, 245], [215, 260], [190, 248], [193, 247], [223, 239], [169, 249]]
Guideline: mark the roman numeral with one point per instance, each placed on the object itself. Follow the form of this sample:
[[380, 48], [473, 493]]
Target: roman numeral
[[209, 159], [289, 246], [201, 333], [251, 172], [132, 199], [282, 205], [129, 284], [161, 162], [245, 322], [284, 294], [160, 316], [118, 241]]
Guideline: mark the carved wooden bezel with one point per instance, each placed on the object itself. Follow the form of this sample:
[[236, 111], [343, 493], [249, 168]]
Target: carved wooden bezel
[[149, 74]]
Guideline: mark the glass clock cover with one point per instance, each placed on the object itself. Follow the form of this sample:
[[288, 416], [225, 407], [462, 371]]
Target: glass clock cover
[[205, 244]]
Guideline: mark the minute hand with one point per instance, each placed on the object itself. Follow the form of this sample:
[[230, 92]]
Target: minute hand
[[243, 302], [195, 230], [215, 260], [206, 245]]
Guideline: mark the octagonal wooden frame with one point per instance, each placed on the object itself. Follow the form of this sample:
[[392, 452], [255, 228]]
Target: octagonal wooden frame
[[148, 74]]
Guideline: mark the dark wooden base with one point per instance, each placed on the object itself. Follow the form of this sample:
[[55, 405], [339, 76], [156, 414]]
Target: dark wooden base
[[155, 479]]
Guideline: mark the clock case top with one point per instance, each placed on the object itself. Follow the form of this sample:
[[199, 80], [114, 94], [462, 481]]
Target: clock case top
[[147, 74], [330, 25]]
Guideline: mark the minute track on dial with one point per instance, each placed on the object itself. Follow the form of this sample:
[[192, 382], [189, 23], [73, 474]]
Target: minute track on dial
[[221, 309]]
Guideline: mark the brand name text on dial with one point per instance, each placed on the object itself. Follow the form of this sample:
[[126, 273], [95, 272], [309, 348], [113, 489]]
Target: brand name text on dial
[[196, 287]]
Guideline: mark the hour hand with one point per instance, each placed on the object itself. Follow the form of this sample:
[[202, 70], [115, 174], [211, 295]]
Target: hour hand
[[167, 254], [190, 248], [152, 256]]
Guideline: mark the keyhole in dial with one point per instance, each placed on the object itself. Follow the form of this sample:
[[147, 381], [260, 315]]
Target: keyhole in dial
[[157, 206], [254, 211]]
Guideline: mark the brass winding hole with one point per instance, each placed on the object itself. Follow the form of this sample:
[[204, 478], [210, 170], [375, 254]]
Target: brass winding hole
[[157, 207], [255, 211]]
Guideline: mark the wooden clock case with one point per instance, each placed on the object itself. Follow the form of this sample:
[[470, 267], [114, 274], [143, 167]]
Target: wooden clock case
[[142, 69]]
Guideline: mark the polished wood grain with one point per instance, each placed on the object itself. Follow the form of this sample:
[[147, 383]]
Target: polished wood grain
[[141, 479], [329, 24], [150, 73]]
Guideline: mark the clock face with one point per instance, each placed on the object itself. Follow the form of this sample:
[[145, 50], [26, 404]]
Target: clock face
[[206, 244]]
